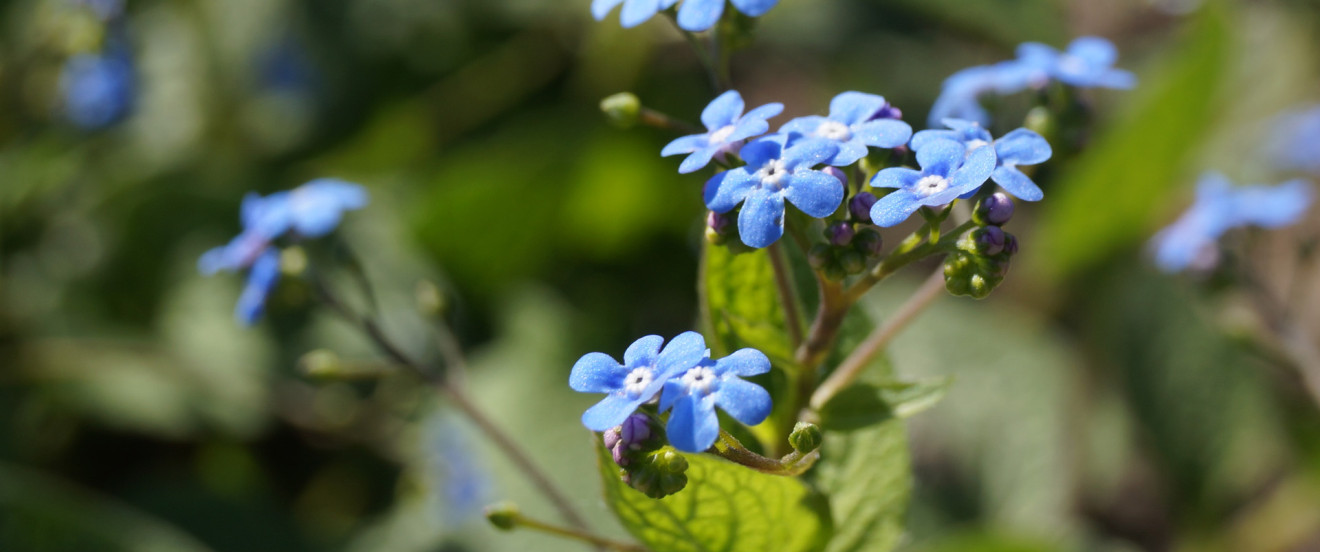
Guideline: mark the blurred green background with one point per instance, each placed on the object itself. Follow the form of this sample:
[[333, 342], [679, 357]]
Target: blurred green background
[[1098, 405]]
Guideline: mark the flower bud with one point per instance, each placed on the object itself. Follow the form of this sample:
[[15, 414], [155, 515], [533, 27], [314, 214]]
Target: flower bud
[[819, 256], [988, 240], [805, 437], [320, 363], [994, 210], [852, 262], [635, 429], [860, 206], [504, 516], [430, 300], [620, 454], [1010, 244], [868, 242], [659, 474], [839, 233], [622, 109], [837, 173], [611, 437], [888, 112], [719, 226]]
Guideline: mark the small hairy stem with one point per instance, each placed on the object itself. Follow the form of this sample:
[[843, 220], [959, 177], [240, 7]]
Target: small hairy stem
[[833, 306], [787, 293], [795, 463], [459, 399], [653, 118], [878, 340], [600, 542], [907, 252]]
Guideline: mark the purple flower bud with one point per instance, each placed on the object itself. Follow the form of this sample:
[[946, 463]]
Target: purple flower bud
[[836, 173], [888, 112], [1010, 243], [611, 437], [868, 242], [839, 233], [860, 206], [719, 222], [635, 429], [618, 451], [994, 210], [990, 240]]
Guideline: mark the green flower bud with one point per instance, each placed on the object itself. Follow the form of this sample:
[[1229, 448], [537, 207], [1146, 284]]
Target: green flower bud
[[852, 262], [504, 516], [968, 273], [659, 474], [430, 300], [806, 437], [819, 256], [622, 109], [320, 363]]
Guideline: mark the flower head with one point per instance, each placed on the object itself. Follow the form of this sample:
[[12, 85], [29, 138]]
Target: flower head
[[98, 89], [852, 125], [693, 395], [774, 173], [693, 15], [634, 13], [726, 129], [1087, 63], [1019, 147], [948, 171], [1190, 241], [638, 379]]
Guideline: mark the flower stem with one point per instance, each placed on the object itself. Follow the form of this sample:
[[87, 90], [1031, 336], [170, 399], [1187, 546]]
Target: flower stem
[[787, 293], [653, 118], [502, 440], [520, 520], [857, 361], [795, 463]]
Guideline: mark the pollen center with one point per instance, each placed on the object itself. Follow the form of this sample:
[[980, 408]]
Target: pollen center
[[834, 130], [931, 185], [772, 175], [699, 379], [637, 381], [976, 144], [721, 135]]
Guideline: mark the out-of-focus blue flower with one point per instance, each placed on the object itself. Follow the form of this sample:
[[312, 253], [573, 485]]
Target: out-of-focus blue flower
[[693, 15], [644, 370], [263, 277], [1019, 147], [852, 126], [693, 425], [97, 89], [1088, 62], [315, 208], [1219, 207], [948, 171], [1294, 140], [772, 174], [460, 484], [727, 127]]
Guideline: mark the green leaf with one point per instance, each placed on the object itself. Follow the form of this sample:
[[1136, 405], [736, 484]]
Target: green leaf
[[725, 508], [865, 404], [867, 475], [1110, 197]]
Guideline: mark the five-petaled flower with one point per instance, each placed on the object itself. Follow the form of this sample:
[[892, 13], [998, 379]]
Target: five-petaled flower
[[693, 425], [1019, 147], [772, 174], [693, 15], [726, 129], [853, 126], [948, 171], [1219, 207], [638, 379]]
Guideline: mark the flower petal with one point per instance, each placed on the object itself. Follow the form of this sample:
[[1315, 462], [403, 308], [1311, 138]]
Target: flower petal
[[804, 125], [852, 108], [699, 15], [848, 153], [883, 133], [693, 426], [814, 192], [754, 123], [975, 170], [726, 190], [747, 402], [809, 152], [596, 373], [754, 8], [609, 412], [1022, 147], [643, 351], [1117, 79], [697, 160], [723, 110], [895, 177], [1094, 50], [759, 152], [683, 352], [685, 144], [1273, 206], [922, 138], [743, 362], [601, 8], [265, 274], [895, 208], [636, 12], [941, 157], [1017, 184], [761, 221]]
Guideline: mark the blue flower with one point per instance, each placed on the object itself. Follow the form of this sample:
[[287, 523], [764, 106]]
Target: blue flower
[[772, 174], [315, 208], [642, 374], [852, 125], [1294, 141], [693, 425], [263, 276], [459, 480], [635, 12], [947, 172], [1019, 147], [727, 127], [1087, 63], [97, 88], [1219, 207]]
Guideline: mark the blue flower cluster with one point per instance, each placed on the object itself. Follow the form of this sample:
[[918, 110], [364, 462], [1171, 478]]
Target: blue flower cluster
[[1219, 207], [308, 211], [687, 381], [1087, 63], [693, 15]]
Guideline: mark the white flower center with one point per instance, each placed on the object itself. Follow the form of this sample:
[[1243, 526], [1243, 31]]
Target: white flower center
[[699, 379], [772, 175], [721, 135], [834, 130], [976, 144], [637, 381], [931, 185]]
